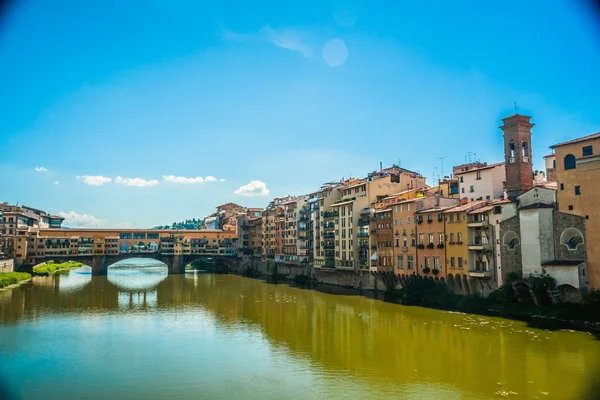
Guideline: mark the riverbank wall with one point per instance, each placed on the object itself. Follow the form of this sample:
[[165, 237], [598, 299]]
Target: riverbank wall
[[361, 280], [7, 265]]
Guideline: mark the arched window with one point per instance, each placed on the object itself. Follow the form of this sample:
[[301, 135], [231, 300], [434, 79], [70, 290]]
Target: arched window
[[570, 161], [511, 147], [571, 238], [511, 240], [524, 151]]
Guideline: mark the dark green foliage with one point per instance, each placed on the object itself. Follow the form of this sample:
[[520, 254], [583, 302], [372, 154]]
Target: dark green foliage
[[10, 278], [472, 303], [428, 293], [188, 224]]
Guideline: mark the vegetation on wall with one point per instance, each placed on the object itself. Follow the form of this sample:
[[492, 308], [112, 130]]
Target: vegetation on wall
[[51, 267]]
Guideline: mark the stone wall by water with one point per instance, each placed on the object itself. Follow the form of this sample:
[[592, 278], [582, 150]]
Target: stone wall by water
[[352, 279], [7, 265]]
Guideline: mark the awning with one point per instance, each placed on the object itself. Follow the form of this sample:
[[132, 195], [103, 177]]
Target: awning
[[374, 256]]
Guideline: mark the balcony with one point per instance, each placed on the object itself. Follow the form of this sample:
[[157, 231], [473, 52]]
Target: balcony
[[329, 235], [479, 273], [330, 214], [329, 225], [363, 234], [478, 224], [480, 244], [363, 222]]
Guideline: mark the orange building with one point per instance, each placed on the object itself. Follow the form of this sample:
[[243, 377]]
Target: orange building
[[431, 252], [578, 192]]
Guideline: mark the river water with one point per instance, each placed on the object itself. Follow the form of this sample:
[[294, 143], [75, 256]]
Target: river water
[[139, 333]]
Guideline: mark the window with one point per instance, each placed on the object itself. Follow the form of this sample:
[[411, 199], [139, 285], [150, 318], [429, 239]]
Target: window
[[461, 179], [471, 188], [459, 237], [478, 175], [421, 238], [452, 237], [440, 238], [577, 190], [407, 207], [451, 218], [408, 220], [410, 262], [125, 235], [570, 162], [587, 151], [426, 262], [452, 264], [562, 186], [430, 238], [436, 263], [487, 197], [554, 163], [399, 221], [397, 242], [401, 262], [460, 262], [570, 208], [404, 242], [400, 208], [462, 190]]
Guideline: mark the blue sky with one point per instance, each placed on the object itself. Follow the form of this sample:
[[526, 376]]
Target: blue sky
[[159, 95]]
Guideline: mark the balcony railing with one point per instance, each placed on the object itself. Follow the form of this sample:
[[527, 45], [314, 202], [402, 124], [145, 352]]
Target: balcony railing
[[330, 214], [479, 272], [478, 224], [330, 225]]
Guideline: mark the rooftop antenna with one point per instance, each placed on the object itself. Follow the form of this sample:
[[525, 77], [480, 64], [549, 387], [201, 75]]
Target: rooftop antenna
[[399, 163], [469, 154], [442, 165]]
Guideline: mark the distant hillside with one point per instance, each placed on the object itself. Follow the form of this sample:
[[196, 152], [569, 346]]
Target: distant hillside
[[189, 224]]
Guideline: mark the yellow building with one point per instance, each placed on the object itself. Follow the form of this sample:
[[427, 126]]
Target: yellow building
[[578, 192], [457, 244]]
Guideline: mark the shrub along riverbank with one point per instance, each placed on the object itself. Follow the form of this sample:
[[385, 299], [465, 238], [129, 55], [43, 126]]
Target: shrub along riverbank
[[10, 278], [504, 302], [51, 267]]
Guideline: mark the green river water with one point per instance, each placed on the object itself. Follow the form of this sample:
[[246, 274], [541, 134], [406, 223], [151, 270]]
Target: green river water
[[139, 333]]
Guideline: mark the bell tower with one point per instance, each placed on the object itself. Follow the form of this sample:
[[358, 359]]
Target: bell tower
[[517, 154]]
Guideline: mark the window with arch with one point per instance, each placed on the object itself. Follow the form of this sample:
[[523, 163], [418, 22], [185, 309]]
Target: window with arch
[[511, 240], [524, 150], [570, 162], [571, 238], [511, 148]]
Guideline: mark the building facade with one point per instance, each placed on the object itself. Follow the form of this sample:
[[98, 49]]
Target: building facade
[[482, 182], [577, 177]]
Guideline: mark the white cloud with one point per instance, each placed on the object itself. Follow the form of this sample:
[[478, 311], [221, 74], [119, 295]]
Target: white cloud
[[254, 188], [41, 169], [56, 182], [94, 180], [190, 180], [75, 220], [286, 39], [183, 179], [222, 180], [139, 182]]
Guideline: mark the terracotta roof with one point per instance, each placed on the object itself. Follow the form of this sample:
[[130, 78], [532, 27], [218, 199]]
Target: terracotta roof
[[481, 210], [550, 155], [480, 168], [581, 139], [433, 209], [467, 206], [342, 203], [501, 201]]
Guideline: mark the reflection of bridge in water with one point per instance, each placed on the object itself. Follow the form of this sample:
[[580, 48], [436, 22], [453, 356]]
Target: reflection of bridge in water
[[100, 248]]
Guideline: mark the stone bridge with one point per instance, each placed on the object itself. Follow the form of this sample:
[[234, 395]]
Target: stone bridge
[[175, 262]]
